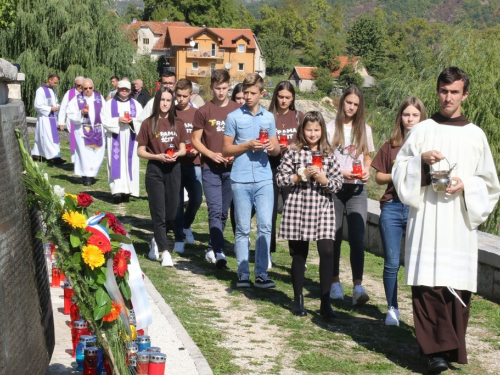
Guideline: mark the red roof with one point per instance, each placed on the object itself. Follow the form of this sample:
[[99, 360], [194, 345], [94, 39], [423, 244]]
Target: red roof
[[304, 72], [158, 27], [180, 36], [344, 60]]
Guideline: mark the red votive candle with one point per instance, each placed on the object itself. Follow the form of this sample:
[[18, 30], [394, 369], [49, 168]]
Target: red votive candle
[[56, 276], [357, 168], [263, 135], [126, 114], [142, 363], [157, 363], [74, 312], [283, 140], [90, 361], [317, 159], [188, 146], [68, 296], [171, 150], [79, 328]]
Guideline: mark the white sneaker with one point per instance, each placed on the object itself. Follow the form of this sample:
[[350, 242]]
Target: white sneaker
[[337, 291], [210, 256], [153, 252], [179, 247], [220, 260], [166, 259], [270, 262], [359, 295], [392, 317], [189, 236]]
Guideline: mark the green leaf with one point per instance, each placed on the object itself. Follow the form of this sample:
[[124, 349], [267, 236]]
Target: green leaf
[[75, 240], [77, 261], [101, 297], [125, 289], [100, 311], [120, 238], [100, 274]]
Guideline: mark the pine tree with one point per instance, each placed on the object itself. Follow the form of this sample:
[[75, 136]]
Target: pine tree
[[70, 38]]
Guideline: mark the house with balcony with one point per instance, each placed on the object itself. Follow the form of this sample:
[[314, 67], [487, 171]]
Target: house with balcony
[[194, 52]]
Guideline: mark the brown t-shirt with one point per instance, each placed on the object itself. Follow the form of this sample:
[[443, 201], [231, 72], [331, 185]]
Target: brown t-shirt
[[212, 119], [383, 162], [286, 124], [187, 117], [158, 143]]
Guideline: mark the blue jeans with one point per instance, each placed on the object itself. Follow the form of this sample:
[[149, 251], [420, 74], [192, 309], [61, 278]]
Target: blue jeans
[[191, 180], [217, 188], [246, 196], [392, 224]]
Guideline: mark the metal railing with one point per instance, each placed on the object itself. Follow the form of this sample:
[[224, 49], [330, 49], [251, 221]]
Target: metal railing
[[205, 53], [201, 72]]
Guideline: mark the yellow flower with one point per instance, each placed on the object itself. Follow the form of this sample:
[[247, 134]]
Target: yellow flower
[[126, 337], [72, 196], [75, 219], [93, 256]]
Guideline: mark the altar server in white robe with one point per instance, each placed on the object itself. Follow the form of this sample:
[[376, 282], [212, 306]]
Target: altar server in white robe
[[62, 118], [46, 134], [119, 118], [84, 111], [441, 251]]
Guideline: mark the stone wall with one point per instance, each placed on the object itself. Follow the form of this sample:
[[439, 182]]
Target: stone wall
[[488, 283], [26, 319]]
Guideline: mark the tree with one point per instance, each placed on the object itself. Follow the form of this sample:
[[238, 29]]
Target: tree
[[348, 77], [68, 37], [323, 80], [278, 53], [366, 38], [8, 12], [132, 12]]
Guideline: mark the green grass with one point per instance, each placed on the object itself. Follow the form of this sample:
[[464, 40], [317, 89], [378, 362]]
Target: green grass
[[357, 342]]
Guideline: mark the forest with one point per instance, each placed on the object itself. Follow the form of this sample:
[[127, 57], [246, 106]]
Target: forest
[[404, 44]]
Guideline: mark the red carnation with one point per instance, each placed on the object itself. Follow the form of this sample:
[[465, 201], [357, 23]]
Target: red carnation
[[125, 253], [84, 200], [118, 229], [120, 264], [111, 219], [101, 241]]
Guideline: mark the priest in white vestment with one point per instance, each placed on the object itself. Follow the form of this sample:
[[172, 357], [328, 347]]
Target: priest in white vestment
[[63, 119], [119, 118], [441, 251], [84, 111], [46, 145]]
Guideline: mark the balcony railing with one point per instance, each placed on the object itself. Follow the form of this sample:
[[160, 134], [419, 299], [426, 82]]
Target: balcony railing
[[201, 72], [170, 52], [205, 53]]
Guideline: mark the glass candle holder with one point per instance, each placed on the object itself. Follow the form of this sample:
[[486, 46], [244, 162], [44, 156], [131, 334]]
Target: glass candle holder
[[143, 343], [83, 342], [132, 351], [317, 159], [74, 312], [188, 146], [90, 361], [68, 296], [357, 168], [263, 135], [56, 276], [157, 363], [126, 114], [79, 328], [283, 140], [171, 150], [142, 363]]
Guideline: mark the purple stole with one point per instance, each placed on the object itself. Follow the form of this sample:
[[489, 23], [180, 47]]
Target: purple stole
[[115, 147], [52, 117], [71, 95], [92, 135]]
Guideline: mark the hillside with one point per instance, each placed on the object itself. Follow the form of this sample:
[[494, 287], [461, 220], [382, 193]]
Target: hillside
[[479, 13]]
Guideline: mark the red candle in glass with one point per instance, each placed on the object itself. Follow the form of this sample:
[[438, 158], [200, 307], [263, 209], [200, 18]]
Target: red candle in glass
[[74, 312], [317, 159], [56, 276], [263, 135], [126, 114], [68, 296], [157, 363], [283, 140], [131, 352], [188, 146], [357, 168], [142, 363], [90, 361], [86, 107], [171, 150], [79, 328], [107, 367]]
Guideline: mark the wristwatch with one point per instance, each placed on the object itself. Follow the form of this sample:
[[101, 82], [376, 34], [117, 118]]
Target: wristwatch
[[301, 174]]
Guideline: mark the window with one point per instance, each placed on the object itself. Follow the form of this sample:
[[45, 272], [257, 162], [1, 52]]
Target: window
[[241, 48], [241, 67], [195, 65], [145, 41], [213, 49], [196, 47]]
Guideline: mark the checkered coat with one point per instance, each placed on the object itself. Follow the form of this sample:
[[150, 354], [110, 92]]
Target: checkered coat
[[308, 213]]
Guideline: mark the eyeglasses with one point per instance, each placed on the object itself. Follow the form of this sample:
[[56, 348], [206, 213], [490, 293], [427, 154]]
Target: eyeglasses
[[78, 85], [88, 88]]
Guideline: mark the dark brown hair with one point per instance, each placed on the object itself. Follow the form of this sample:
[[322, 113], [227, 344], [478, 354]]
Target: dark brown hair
[[283, 85], [452, 74], [323, 145], [184, 84], [398, 133], [358, 137], [219, 76], [155, 115]]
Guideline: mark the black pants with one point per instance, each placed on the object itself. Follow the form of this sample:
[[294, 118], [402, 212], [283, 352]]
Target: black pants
[[163, 181], [285, 191], [299, 251]]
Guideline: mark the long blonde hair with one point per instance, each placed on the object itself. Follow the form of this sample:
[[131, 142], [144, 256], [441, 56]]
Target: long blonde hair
[[398, 133], [358, 138]]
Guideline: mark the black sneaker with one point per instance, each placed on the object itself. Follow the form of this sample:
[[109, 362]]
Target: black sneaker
[[264, 282], [436, 365], [243, 282]]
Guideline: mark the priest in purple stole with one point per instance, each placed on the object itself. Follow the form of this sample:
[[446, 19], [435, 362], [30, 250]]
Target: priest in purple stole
[[119, 118], [84, 112], [46, 135], [63, 120]]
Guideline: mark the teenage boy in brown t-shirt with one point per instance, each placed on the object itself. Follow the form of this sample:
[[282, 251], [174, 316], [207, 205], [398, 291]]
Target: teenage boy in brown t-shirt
[[208, 133], [190, 169]]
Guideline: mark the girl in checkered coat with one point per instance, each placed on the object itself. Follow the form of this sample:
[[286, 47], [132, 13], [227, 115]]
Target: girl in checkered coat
[[308, 213]]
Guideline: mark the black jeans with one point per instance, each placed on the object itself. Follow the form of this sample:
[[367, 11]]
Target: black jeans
[[163, 181], [352, 200], [285, 192]]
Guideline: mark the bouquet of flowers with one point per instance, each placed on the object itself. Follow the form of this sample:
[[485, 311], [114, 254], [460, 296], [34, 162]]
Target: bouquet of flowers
[[91, 254]]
